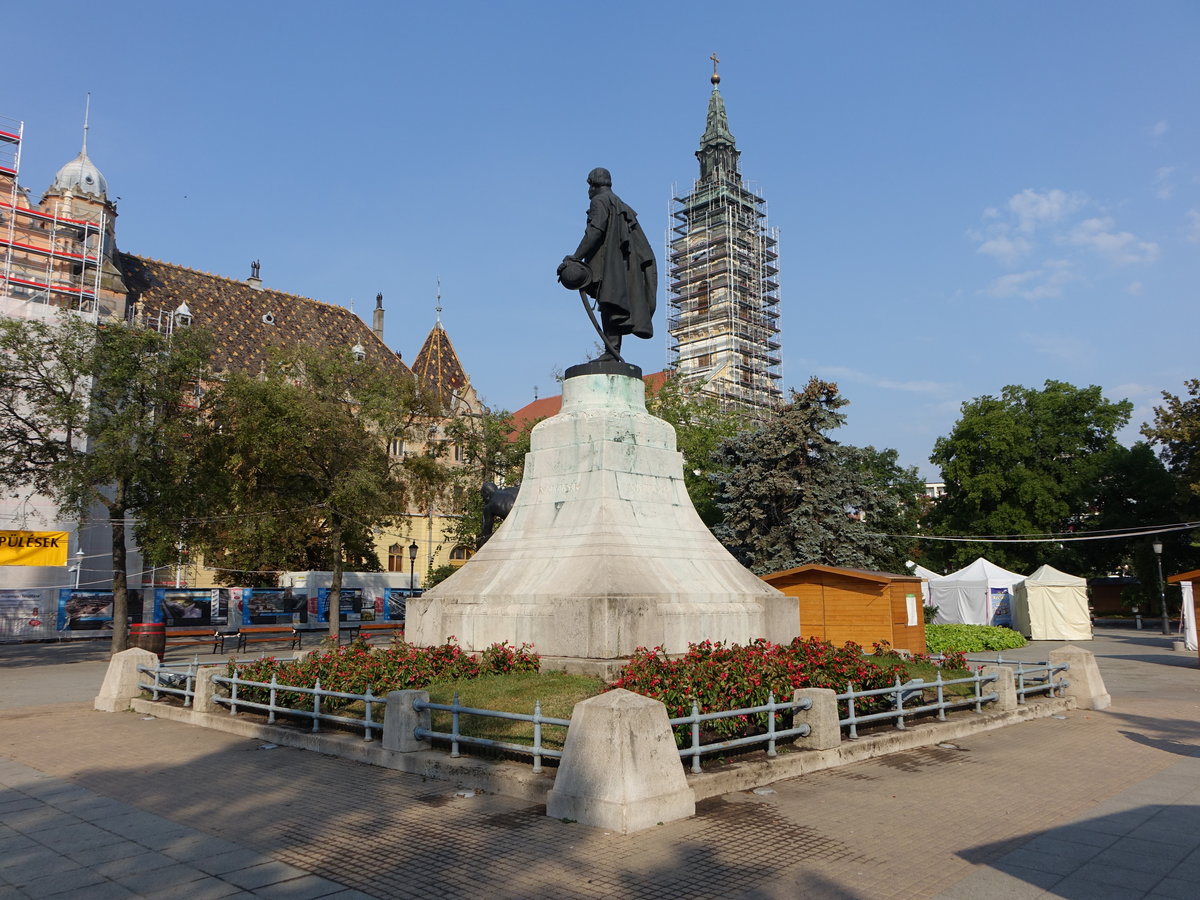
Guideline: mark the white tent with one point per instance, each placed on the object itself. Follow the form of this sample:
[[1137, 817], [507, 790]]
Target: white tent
[[1051, 605], [1188, 620], [927, 574], [976, 595]]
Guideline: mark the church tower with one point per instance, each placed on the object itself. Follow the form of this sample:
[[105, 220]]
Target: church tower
[[723, 323]]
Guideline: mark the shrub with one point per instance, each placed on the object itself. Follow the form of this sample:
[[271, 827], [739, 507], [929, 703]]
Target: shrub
[[971, 638]]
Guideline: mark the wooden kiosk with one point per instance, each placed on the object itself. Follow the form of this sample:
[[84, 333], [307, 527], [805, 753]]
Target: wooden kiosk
[[839, 605]]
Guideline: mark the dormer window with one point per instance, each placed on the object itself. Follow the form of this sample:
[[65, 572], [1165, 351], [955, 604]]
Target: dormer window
[[359, 352], [183, 315], [268, 318]]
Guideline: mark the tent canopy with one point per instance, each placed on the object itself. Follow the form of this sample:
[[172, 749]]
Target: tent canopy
[[1051, 605], [965, 597]]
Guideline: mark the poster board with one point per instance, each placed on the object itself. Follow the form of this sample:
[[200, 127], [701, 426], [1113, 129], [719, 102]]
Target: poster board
[[182, 607], [21, 613]]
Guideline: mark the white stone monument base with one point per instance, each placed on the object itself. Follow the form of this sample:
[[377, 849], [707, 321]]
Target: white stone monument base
[[603, 551]]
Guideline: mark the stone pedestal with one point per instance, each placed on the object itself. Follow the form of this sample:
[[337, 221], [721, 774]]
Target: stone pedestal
[[603, 551]]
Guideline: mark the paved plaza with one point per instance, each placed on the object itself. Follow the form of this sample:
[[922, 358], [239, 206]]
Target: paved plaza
[[1089, 806]]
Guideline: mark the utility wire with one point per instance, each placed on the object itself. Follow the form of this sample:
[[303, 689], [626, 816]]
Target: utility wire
[[1050, 538]]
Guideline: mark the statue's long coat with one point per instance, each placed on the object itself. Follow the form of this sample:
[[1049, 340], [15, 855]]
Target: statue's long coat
[[622, 263]]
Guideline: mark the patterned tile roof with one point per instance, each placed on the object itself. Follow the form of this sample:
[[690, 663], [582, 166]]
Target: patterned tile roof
[[247, 322], [438, 365]]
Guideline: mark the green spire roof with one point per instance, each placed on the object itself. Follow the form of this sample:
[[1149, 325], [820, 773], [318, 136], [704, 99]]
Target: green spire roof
[[718, 153], [716, 131]]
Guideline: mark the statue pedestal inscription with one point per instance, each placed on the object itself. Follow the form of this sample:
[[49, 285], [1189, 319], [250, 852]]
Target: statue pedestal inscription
[[603, 551]]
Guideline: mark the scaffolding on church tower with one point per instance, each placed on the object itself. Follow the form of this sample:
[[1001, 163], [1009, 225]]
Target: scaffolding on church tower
[[45, 257], [723, 283]]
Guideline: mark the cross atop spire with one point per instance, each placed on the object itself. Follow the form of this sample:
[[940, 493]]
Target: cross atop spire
[[718, 151]]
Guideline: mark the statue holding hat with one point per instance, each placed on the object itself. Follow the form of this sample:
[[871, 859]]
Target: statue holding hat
[[614, 264]]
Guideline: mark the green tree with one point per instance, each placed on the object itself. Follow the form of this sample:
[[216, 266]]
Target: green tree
[[701, 425], [1176, 431], [292, 467], [491, 450], [791, 494], [1027, 462], [92, 414]]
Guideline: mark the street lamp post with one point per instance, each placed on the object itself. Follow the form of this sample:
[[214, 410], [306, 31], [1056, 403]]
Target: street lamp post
[[1162, 592], [412, 563], [78, 567]]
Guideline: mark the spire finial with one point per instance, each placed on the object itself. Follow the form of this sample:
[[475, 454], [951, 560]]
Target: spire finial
[[716, 78], [438, 308], [87, 111]]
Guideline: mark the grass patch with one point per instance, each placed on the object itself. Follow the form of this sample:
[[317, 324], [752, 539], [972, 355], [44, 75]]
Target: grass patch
[[514, 693], [929, 673]]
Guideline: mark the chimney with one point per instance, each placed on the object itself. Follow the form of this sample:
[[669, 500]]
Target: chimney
[[377, 317], [254, 280]]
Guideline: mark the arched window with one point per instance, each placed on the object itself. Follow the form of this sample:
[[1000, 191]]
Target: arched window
[[396, 558], [459, 555]]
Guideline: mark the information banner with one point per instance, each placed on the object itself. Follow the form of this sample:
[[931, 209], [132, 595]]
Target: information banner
[[397, 602], [352, 608], [273, 606], [20, 612], [191, 606], [33, 548], [92, 610], [1001, 602]]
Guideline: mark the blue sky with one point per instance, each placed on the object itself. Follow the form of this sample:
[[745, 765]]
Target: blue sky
[[969, 195]]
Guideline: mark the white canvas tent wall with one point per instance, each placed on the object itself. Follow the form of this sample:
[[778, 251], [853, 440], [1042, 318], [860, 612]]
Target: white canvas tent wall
[[1051, 605], [963, 597], [929, 575], [1189, 616]]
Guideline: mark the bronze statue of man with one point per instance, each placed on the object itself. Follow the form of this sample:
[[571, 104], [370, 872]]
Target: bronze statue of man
[[620, 272]]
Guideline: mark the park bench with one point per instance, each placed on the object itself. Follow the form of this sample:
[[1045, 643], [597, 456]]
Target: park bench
[[388, 629], [267, 633], [190, 637]]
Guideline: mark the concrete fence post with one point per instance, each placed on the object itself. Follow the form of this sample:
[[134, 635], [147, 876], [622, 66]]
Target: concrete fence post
[[120, 685], [1005, 687], [400, 721], [822, 719], [205, 690], [620, 768], [1087, 687]]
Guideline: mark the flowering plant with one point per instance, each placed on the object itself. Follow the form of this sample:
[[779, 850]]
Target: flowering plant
[[354, 668], [719, 677]]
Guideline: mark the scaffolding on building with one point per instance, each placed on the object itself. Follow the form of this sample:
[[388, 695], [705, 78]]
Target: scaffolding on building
[[723, 323], [45, 257]]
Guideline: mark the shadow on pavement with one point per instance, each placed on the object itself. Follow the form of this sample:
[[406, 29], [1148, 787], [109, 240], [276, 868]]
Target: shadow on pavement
[[1135, 852], [394, 835], [54, 653]]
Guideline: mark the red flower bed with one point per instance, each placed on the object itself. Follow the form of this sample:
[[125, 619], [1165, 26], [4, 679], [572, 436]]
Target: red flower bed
[[399, 666], [722, 677]]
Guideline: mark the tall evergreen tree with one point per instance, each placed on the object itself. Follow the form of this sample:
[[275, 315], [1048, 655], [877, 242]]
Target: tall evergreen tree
[[791, 494]]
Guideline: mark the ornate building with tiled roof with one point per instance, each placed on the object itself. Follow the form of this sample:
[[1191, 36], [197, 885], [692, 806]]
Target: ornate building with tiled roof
[[61, 254], [247, 319]]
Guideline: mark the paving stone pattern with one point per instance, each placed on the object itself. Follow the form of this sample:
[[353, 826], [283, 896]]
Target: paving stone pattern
[[1093, 805]]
